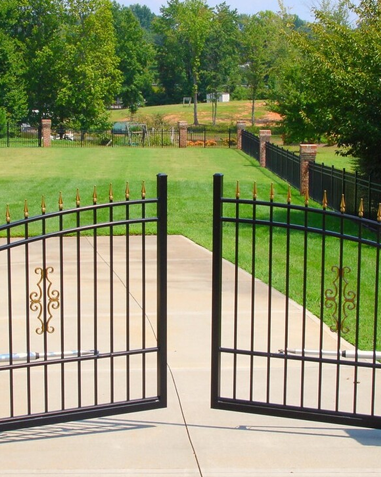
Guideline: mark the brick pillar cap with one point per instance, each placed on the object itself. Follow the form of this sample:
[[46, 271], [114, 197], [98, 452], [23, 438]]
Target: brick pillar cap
[[265, 132], [241, 124], [182, 124], [309, 147]]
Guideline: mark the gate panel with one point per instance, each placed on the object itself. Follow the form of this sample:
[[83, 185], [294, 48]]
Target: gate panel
[[271, 355], [83, 295]]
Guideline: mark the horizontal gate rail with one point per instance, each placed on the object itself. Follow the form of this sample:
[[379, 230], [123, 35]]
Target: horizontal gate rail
[[271, 355], [84, 300]]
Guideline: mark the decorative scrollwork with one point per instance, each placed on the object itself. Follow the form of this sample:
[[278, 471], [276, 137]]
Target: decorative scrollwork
[[332, 299], [37, 300]]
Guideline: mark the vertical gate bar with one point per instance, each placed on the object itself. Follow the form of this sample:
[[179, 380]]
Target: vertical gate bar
[[375, 324], [112, 367], [216, 289], [45, 315], [95, 323], [357, 332], [236, 285], [253, 290], [79, 304], [27, 319], [322, 291], [127, 293], [143, 296], [304, 306], [269, 304], [339, 316], [287, 297], [162, 288], [10, 323], [62, 308]]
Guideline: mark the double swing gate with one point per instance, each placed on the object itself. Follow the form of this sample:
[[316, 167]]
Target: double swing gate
[[269, 354], [78, 336], [84, 302]]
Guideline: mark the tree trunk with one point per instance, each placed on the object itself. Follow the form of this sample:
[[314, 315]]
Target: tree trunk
[[195, 117], [253, 107]]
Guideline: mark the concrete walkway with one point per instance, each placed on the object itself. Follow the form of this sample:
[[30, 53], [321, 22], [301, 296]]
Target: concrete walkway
[[188, 438]]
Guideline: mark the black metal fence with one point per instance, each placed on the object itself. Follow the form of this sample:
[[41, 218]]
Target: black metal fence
[[272, 356], [325, 183], [16, 135], [337, 183], [250, 145], [203, 137], [83, 328], [147, 137]]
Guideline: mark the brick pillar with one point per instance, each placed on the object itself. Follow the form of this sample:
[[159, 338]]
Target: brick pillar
[[264, 137], [183, 133], [46, 132], [307, 155], [241, 125]]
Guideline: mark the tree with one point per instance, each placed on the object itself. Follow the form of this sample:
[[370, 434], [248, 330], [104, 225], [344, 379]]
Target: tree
[[220, 61], [260, 42], [342, 75], [90, 78], [136, 56], [184, 29]]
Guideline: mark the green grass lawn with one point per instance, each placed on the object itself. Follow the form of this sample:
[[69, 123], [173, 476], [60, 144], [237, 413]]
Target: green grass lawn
[[31, 173]]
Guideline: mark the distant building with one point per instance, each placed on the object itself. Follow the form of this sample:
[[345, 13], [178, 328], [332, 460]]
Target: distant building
[[221, 97]]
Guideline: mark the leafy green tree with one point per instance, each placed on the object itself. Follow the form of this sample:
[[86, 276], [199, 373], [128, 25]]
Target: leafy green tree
[[260, 51], [136, 57], [184, 28], [13, 98], [342, 71], [220, 61], [89, 75]]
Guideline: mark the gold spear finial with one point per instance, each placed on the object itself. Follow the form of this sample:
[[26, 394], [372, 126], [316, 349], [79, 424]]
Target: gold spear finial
[[60, 202], [289, 195], [43, 205], [361, 208], [272, 195], [127, 191], [7, 214], [95, 195], [255, 193], [307, 198], [26, 211], [237, 191], [342, 204], [379, 213], [78, 199], [325, 200], [110, 194], [143, 190]]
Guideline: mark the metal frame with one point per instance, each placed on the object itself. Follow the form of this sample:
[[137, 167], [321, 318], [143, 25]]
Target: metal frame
[[118, 364], [255, 367]]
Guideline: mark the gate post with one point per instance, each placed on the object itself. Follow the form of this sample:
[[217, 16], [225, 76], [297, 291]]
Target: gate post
[[183, 133], [216, 288], [241, 125], [162, 288], [307, 155], [46, 132], [264, 137]]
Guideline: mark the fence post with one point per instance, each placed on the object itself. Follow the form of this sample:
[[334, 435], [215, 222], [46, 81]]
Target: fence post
[[307, 155], [46, 125], [241, 125], [264, 137], [183, 133]]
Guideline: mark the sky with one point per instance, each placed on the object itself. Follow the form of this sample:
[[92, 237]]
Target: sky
[[301, 8]]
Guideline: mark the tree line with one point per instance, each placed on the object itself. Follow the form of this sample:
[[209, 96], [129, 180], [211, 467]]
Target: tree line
[[70, 59]]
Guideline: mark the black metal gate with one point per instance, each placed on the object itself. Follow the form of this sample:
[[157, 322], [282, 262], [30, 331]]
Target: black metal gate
[[83, 297], [272, 356]]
